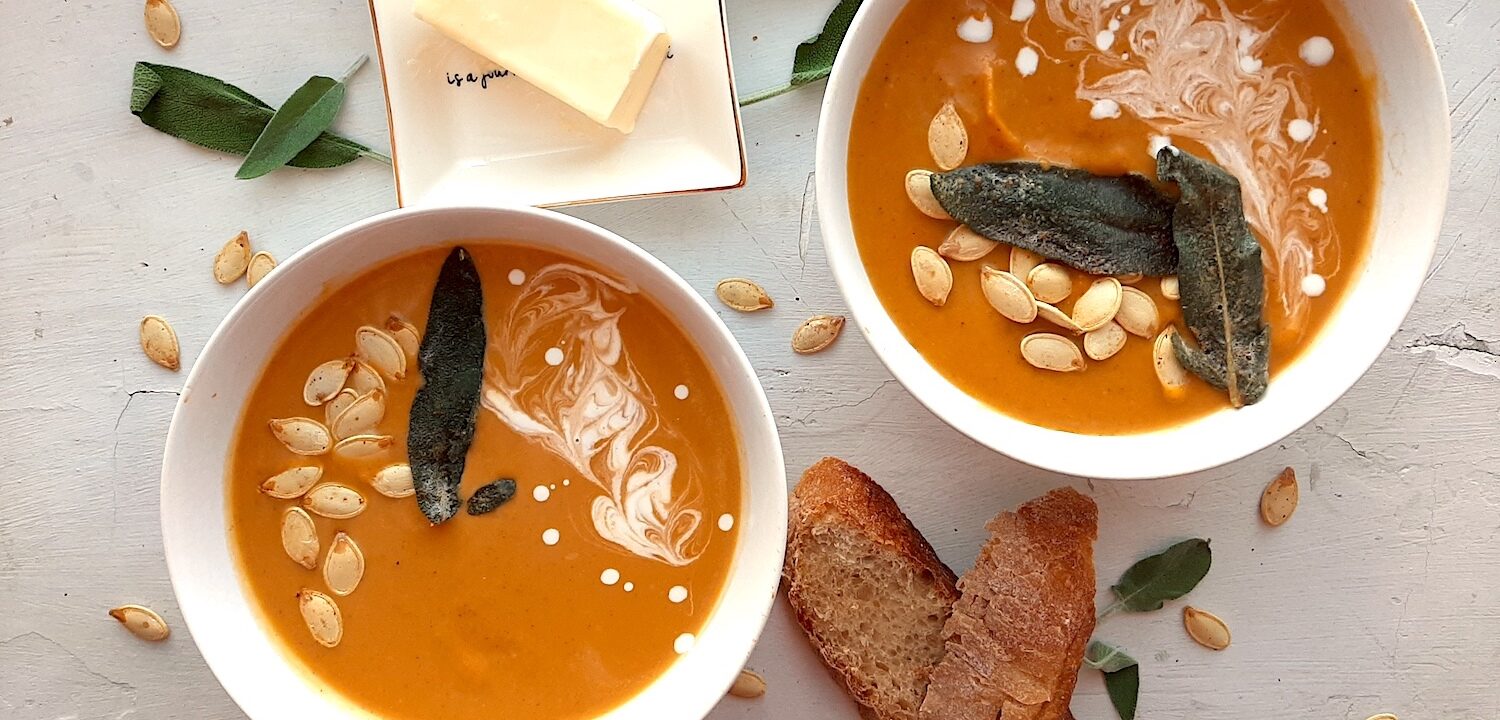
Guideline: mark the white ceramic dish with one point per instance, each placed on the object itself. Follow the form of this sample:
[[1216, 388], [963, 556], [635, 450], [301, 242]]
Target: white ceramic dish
[[1413, 112], [498, 140], [228, 630]]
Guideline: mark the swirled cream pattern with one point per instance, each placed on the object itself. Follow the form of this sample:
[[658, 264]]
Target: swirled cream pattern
[[1192, 71], [593, 410]]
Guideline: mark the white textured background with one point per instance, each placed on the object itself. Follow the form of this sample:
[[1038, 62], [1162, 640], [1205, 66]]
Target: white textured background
[[1382, 594]]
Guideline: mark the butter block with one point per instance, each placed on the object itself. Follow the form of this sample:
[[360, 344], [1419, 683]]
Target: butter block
[[599, 56]]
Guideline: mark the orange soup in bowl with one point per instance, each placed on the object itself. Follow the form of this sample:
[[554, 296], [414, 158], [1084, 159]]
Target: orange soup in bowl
[[485, 482], [1269, 92]]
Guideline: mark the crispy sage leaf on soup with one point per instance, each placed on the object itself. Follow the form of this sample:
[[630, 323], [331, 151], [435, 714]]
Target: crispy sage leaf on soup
[[1168, 575], [1098, 224], [490, 497], [444, 411], [1221, 280]]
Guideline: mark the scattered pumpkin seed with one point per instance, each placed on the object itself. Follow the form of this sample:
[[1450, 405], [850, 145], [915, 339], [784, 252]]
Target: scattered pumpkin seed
[[1050, 282], [1138, 313], [1130, 278], [1098, 304], [261, 265], [406, 335], [362, 446], [1103, 342], [919, 191], [376, 348], [748, 685], [1008, 295], [344, 566], [1047, 351], [322, 616], [1383, 716], [1170, 289], [334, 500], [339, 404], [301, 435], [1205, 628], [363, 379], [299, 537], [394, 481], [816, 333], [934, 277], [965, 245], [1169, 370], [233, 259], [743, 295], [159, 341], [1279, 500], [142, 622], [292, 482], [947, 139], [1022, 261], [361, 416], [162, 23], [326, 380], [1050, 313]]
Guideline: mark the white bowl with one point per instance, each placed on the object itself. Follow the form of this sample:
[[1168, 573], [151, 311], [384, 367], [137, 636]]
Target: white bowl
[[1413, 110], [250, 664]]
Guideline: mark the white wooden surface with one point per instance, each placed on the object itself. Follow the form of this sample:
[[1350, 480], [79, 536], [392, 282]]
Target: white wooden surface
[[1382, 594]]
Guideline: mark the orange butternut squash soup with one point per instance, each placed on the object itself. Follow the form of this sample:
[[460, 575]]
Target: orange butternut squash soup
[[1110, 217], [485, 482]]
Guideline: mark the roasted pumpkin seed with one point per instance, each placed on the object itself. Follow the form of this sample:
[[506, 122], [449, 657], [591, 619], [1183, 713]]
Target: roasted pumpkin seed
[[326, 380], [361, 416], [162, 23], [322, 616], [334, 500], [376, 348], [1169, 371], [159, 342], [1383, 716], [1130, 278], [919, 191], [1102, 343], [299, 537], [363, 379], [301, 435], [362, 446], [947, 139], [1205, 628], [394, 481], [1047, 351], [1050, 313], [1279, 500], [142, 622], [1007, 295], [339, 404], [743, 295], [1023, 261], [1137, 313], [406, 336], [1050, 282], [748, 685], [261, 265], [233, 259], [344, 566], [1169, 288], [965, 245], [934, 277], [816, 333], [292, 482], [1098, 304]]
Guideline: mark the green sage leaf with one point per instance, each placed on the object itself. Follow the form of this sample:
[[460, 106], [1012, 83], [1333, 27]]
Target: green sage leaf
[[1124, 688], [814, 58], [1105, 657], [1169, 575], [211, 113], [1221, 278]]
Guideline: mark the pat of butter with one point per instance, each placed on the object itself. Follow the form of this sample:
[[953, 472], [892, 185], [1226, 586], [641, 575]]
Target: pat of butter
[[600, 56]]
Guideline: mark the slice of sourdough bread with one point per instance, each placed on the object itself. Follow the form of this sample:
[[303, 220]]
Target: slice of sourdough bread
[[867, 588]]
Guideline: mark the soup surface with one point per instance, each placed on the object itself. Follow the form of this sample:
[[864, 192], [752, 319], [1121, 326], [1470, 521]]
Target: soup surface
[[569, 598], [1270, 90]]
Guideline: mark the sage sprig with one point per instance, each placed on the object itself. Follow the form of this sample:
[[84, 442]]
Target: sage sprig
[[814, 58], [297, 123], [211, 113], [1122, 676]]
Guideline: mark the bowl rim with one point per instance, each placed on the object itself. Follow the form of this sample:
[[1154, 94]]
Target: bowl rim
[[769, 475], [1075, 454]]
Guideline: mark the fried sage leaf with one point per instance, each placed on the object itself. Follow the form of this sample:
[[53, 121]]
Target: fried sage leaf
[[446, 407], [491, 496], [1100, 225], [1221, 280]]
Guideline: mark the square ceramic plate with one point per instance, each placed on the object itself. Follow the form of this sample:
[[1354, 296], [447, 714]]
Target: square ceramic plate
[[464, 132]]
